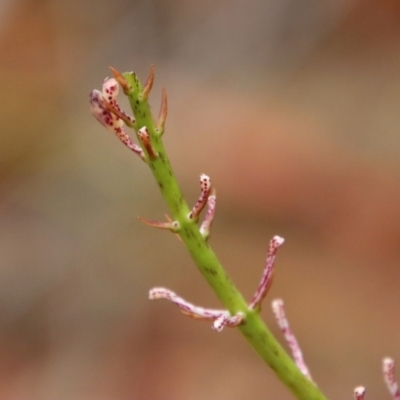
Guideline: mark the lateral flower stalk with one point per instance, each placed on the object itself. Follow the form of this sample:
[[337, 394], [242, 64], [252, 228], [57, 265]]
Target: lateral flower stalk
[[205, 228], [221, 318], [268, 274], [205, 184], [278, 308]]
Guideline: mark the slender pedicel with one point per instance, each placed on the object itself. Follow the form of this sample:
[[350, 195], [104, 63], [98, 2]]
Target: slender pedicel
[[208, 219], [205, 184], [279, 311], [268, 274], [221, 318]]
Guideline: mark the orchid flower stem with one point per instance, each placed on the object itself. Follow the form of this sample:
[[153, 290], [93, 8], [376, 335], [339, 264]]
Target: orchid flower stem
[[253, 328]]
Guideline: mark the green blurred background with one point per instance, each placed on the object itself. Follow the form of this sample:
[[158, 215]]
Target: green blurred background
[[290, 106]]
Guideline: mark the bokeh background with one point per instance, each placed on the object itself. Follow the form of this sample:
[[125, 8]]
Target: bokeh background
[[290, 106]]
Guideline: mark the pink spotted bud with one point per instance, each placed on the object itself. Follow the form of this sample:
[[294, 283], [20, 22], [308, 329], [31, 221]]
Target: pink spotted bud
[[103, 110], [359, 393], [110, 94], [100, 112], [110, 89]]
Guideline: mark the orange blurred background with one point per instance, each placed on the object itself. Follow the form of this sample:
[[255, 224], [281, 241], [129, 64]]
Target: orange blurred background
[[290, 106]]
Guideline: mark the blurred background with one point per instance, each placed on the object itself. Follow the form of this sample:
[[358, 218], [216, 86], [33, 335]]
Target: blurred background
[[290, 106]]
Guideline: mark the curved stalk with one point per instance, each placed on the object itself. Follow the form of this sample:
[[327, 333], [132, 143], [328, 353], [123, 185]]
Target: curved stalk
[[149, 135]]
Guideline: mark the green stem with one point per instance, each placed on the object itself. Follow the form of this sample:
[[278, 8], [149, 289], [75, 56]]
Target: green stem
[[254, 329]]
